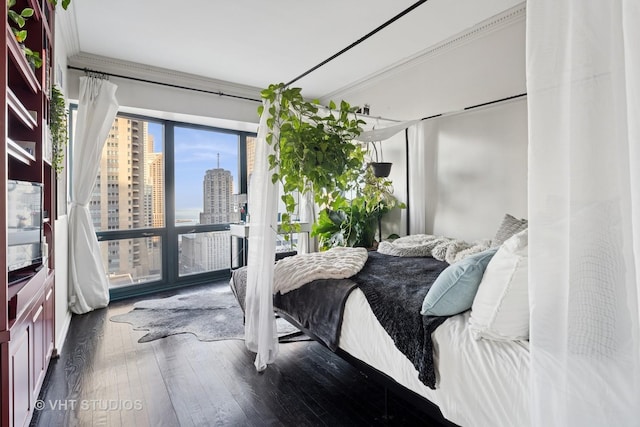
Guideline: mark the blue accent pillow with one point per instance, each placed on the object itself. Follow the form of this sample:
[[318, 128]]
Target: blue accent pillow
[[455, 288]]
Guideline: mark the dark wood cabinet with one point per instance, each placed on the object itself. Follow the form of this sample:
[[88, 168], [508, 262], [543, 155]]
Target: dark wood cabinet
[[27, 316], [30, 351]]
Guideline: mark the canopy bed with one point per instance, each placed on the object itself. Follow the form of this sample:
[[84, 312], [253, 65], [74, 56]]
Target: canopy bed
[[367, 309]]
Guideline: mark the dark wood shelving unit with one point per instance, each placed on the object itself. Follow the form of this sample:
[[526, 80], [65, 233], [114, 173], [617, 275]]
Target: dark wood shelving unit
[[27, 318]]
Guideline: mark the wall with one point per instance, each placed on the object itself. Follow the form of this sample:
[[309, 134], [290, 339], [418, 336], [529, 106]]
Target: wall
[[481, 160], [62, 313], [172, 103], [479, 170]]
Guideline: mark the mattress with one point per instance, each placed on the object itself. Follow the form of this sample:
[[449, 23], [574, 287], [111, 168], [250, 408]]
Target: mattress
[[480, 382]]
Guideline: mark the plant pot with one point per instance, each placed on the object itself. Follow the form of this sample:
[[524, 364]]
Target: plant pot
[[381, 169]]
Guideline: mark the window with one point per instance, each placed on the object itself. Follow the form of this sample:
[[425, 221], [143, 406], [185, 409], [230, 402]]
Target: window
[[159, 230]]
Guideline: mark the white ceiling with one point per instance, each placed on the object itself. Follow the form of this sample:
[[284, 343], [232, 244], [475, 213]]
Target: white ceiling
[[258, 42]]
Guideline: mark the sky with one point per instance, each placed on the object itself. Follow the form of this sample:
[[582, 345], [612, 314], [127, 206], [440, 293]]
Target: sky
[[196, 151]]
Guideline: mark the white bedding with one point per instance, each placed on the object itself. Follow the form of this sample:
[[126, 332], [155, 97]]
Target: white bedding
[[480, 383]]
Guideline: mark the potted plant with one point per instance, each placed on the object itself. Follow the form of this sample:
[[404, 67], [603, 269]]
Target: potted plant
[[380, 169], [354, 222], [58, 117], [314, 152]]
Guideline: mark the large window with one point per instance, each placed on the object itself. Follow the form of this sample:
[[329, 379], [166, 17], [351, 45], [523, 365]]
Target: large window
[[163, 200]]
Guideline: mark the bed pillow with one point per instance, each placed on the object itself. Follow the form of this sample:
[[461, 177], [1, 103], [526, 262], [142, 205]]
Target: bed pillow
[[454, 289], [500, 310], [510, 226]]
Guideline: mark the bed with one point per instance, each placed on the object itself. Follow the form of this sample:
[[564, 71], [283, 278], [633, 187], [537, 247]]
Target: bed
[[477, 382]]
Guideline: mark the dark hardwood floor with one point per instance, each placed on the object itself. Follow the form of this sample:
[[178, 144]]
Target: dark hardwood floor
[[105, 377]]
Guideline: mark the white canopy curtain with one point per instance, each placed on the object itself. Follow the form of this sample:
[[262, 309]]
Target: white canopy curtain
[[260, 326], [423, 171], [583, 84], [380, 134], [307, 215], [97, 108]]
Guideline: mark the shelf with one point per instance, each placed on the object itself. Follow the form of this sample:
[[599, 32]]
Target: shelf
[[28, 316], [20, 294], [33, 4], [21, 63], [20, 110], [19, 153]]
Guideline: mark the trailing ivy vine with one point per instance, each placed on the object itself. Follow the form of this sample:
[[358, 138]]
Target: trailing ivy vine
[[314, 152], [58, 118]]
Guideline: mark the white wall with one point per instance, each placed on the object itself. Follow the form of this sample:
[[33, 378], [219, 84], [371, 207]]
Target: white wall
[[62, 313], [481, 165], [481, 155], [173, 103]]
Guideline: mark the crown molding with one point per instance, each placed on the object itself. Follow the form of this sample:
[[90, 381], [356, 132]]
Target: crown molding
[[160, 75], [495, 23], [66, 23]]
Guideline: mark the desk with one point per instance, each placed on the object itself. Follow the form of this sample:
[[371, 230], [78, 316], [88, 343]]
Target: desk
[[242, 231]]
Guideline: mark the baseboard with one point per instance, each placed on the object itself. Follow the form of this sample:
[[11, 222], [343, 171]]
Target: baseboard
[[66, 322]]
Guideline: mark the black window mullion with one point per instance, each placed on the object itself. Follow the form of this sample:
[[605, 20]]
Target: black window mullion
[[170, 260]]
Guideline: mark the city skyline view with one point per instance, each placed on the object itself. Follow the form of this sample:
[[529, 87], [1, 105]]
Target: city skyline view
[[131, 193], [196, 151]]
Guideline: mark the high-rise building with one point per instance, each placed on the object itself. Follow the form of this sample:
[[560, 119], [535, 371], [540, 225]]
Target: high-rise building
[[123, 198], [217, 191], [251, 155], [155, 179], [210, 251]]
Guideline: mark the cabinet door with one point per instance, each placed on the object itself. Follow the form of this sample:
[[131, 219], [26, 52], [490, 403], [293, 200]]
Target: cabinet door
[[38, 357], [20, 379], [49, 327]]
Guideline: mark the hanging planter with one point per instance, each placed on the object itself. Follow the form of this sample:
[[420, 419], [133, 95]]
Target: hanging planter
[[381, 169]]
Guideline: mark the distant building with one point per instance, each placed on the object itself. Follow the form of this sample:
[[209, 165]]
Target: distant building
[[217, 191], [123, 199], [202, 252], [210, 251]]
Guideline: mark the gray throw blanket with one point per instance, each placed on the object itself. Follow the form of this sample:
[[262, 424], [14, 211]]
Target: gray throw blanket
[[395, 288], [323, 320]]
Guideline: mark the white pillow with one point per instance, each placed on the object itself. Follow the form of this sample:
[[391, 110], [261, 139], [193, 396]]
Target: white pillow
[[500, 310]]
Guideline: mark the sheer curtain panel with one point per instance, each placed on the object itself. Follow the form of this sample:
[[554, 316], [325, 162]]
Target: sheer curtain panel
[[583, 84], [260, 323], [97, 107], [423, 173]]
